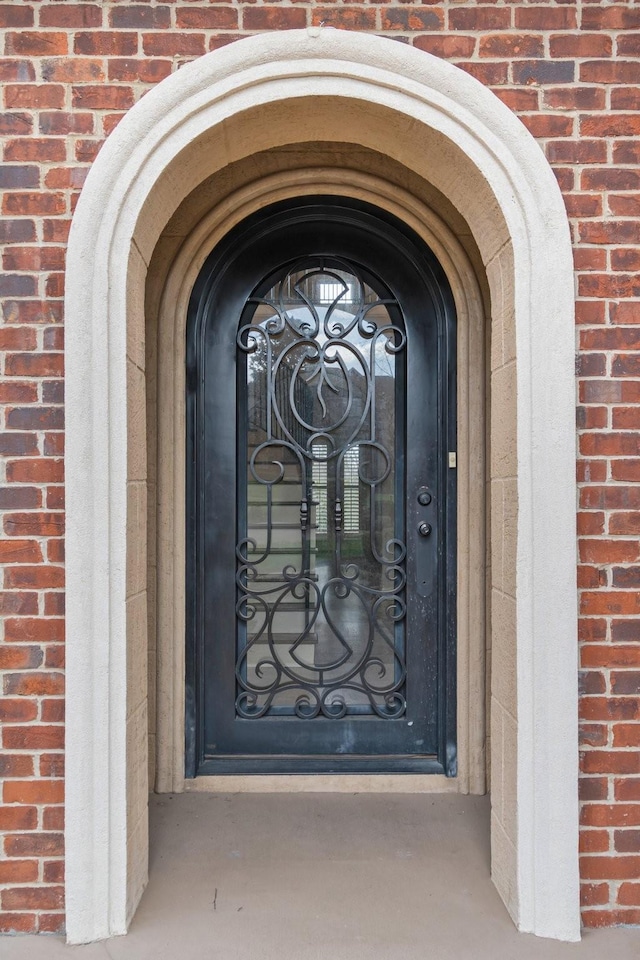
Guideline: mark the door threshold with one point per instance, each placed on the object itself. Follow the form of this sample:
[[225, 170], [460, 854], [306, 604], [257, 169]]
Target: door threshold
[[325, 783]]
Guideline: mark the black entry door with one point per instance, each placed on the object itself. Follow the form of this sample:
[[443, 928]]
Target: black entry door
[[321, 498]]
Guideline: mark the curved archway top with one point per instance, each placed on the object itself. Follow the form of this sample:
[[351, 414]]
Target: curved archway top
[[515, 209], [343, 64]]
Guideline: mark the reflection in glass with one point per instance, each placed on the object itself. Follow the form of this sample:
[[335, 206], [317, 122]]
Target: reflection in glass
[[320, 551]]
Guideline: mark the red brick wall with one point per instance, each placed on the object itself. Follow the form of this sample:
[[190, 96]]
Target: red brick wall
[[571, 71]]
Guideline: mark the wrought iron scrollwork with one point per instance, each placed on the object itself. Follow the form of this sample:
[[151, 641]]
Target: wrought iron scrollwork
[[321, 632]]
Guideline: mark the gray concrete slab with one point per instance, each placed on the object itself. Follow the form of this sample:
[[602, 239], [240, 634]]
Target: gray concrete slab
[[310, 876]]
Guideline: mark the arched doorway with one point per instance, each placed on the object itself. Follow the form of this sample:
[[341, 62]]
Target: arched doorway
[[321, 419], [445, 128]]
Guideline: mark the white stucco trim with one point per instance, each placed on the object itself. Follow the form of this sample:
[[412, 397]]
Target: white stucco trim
[[365, 72]]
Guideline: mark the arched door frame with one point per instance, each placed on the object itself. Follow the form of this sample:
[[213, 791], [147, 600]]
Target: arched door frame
[[515, 210]]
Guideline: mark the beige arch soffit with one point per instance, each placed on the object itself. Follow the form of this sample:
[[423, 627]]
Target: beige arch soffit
[[172, 315], [108, 219]]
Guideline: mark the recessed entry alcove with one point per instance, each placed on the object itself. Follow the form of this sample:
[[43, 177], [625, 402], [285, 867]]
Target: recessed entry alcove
[[442, 162]]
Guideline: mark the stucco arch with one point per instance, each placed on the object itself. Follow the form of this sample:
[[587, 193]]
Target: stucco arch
[[450, 130]]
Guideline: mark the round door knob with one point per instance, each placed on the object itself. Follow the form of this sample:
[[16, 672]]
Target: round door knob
[[424, 529]]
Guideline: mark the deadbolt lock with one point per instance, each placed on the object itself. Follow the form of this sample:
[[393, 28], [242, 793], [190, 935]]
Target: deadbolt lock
[[424, 497], [424, 529]]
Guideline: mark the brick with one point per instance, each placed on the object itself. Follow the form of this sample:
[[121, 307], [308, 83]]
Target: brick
[[31, 311], [624, 523], [193, 44], [33, 259], [71, 15], [613, 125], [498, 45], [34, 845], [489, 73], [34, 629], [33, 417], [609, 708], [208, 18], [625, 631], [18, 818], [593, 788], [628, 470], [545, 17], [33, 43], [41, 577], [19, 658], [609, 603], [106, 43], [625, 682], [102, 97], [53, 818], [145, 70], [19, 177], [594, 894], [33, 898], [626, 98], [62, 123], [33, 737], [629, 894], [17, 711], [34, 365], [53, 871], [519, 100], [52, 711], [35, 470], [17, 285], [610, 179], [15, 765], [42, 524], [52, 765], [34, 683], [15, 123], [17, 231], [626, 841], [20, 551], [627, 789], [18, 603], [544, 71], [610, 918], [590, 682], [18, 871], [51, 923], [628, 45], [450, 47], [393, 18], [625, 259], [16, 16], [609, 285], [272, 18], [625, 206], [576, 151], [34, 204], [54, 604], [627, 734], [610, 815], [609, 18], [72, 70], [18, 923], [611, 498], [132, 16], [33, 791], [612, 868], [594, 841], [479, 18], [580, 44]]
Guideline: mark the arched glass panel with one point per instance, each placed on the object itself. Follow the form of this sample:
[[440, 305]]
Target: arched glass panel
[[321, 452]]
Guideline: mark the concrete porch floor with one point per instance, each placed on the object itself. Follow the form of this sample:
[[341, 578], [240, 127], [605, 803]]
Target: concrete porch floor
[[310, 876]]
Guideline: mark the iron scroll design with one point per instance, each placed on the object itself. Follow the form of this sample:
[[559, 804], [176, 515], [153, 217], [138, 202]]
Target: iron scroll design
[[320, 637]]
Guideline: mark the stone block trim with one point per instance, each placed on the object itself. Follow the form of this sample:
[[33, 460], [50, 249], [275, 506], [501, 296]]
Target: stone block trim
[[571, 72]]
